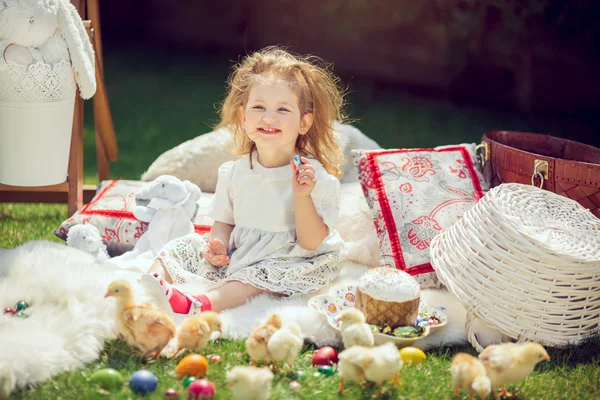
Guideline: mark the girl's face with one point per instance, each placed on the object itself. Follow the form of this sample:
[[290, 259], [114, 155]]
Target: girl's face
[[272, 118]]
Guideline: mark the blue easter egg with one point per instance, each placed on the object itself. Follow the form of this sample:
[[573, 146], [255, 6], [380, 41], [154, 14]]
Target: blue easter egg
[[142, 382]]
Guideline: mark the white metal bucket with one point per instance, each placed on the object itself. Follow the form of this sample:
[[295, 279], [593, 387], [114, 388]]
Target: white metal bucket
[[36, 120], [35, 139]]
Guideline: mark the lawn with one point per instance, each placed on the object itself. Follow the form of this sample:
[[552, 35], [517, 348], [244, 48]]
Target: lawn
[[161, 100]]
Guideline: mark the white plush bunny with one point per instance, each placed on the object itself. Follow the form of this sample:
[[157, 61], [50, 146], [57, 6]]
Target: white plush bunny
[[86, 237], [166, 191], [50, 31]]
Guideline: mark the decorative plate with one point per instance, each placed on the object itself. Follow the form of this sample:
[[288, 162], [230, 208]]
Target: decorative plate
[[342, 297]]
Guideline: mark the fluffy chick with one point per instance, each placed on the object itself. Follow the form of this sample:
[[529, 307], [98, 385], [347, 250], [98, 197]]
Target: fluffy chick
[[469, 373], [285, 344], [141, 325], [257, 342], [511, 363], [351, 366], [195, 332], [355, 330], [249, 383], [383, 363]]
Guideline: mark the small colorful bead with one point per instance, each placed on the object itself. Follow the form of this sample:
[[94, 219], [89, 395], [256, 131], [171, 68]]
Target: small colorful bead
[[298, 375], [326, 370], [215, 359], [188, 381], [22, 305]]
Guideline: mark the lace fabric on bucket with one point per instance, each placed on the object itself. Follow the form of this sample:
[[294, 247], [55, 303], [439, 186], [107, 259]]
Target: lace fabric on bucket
[[39, 82], [182, 258]]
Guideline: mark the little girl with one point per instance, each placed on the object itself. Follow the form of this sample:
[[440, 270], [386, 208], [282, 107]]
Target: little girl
[[273, 229]]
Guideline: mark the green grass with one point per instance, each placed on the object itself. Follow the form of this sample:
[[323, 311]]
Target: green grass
[[572, 374], [160, 100]]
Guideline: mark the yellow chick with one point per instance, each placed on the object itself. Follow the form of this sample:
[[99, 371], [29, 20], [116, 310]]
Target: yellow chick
[[257, 342], [249, 383], [285, 344], [383, 363], [351, 366], [141, 325], [355, 330], [470, 374], [195, 332], [511, 363]]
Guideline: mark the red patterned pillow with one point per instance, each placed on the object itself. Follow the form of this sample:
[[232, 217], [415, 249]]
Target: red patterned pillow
[[111, 211], [414, 194]]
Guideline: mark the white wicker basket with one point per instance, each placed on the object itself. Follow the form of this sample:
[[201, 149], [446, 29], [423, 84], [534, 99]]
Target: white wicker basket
[[524, 261], [36, 118]]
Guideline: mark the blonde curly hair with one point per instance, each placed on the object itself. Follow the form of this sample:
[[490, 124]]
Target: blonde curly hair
[[317, 89]]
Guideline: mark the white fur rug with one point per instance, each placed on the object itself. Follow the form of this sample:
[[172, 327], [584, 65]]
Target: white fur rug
[[70, 320]]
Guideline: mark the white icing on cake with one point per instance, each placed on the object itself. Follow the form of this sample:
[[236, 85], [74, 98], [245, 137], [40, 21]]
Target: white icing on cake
[[389, 284]]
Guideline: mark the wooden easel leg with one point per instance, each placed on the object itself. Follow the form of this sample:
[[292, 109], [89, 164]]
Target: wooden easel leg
[[105, 131], [101, 159], [75, 197]]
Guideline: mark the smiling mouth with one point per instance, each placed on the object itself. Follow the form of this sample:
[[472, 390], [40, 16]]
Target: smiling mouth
[[268, 131]]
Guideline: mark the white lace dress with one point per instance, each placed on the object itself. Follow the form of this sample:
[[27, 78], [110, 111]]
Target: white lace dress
[[264, 250]]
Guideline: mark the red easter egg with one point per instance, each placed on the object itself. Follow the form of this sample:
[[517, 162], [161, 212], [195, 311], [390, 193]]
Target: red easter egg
[[325, 356], [201, 389], [9, 310]]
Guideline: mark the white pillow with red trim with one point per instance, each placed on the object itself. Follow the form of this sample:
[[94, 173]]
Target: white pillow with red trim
[[414, 194], [111, 211]]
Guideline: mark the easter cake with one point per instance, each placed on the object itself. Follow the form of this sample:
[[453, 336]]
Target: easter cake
[[388, 297]]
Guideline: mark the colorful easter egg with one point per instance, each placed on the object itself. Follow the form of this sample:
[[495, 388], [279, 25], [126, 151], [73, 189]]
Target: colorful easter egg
[[21, 305], [143, 381], [108, 379], [201, 389], [192, 365], [412, 356], [325, 356]]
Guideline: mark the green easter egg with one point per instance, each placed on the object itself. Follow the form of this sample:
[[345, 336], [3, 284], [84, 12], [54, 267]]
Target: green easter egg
[[22, 305], [107, 379], [326, 370], [298, 375], [188, 381]]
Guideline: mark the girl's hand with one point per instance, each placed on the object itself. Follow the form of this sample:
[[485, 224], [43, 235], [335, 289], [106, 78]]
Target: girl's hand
[[303, 178], [216, 253]]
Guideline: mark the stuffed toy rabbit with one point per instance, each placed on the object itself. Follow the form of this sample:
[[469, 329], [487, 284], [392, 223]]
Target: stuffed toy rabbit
[[166, 192], [49, 31], [86, 237]]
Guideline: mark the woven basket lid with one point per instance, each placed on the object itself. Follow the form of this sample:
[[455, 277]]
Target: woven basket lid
[[524, 261], [554, 224]]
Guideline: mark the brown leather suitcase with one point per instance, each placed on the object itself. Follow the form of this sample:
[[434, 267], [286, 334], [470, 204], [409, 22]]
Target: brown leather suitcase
[[561, 166]]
